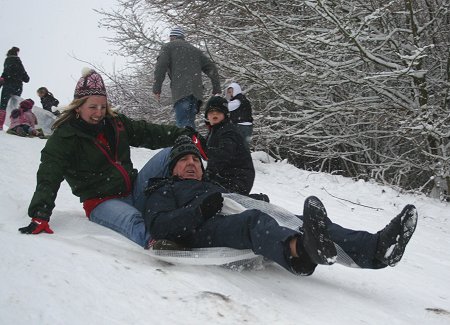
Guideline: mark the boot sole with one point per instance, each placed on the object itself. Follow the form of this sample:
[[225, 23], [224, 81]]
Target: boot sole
[[408, 223], [318, 243]]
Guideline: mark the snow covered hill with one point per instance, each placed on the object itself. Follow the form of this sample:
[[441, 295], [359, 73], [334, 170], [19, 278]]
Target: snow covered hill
[[87, 274]]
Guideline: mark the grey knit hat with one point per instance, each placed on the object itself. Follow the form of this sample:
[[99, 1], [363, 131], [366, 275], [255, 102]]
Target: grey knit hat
[[183, 146], [177, 32]]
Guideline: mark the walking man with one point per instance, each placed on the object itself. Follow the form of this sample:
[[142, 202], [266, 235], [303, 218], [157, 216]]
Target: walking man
[[184, 64]]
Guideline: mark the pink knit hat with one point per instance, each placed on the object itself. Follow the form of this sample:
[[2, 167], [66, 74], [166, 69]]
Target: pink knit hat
[[26, 104], [90, 83]]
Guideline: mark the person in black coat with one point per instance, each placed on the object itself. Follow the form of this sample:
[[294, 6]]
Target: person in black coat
[[48, 100], [13, 76], [192, 212], [229, 161]]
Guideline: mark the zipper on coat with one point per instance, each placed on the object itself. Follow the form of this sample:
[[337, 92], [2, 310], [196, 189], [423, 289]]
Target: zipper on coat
[[116, 164]]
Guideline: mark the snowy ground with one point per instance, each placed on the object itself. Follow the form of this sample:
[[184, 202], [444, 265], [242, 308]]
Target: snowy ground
[[87, 274]]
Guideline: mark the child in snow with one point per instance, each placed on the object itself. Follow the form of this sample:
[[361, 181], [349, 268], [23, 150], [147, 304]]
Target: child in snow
[[23, 120], [229, 161], [90, 149], [240, 111], [48, 101]]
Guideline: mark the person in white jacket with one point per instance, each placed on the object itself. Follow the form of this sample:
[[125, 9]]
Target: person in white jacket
[[240, 111]]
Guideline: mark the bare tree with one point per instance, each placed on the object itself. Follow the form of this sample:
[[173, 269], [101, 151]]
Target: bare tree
[[356, 87]]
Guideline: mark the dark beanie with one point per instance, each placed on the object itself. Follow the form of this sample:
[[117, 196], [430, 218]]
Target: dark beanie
[[13, 51], [217, 103], [183, 146]]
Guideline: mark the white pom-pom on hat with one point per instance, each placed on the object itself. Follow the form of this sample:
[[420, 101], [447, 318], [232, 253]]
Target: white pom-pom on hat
[[86, 71], [89, 84]]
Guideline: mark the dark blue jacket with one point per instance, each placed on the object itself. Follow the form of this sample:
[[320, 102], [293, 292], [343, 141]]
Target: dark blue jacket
[[229, 161], [173, 208]]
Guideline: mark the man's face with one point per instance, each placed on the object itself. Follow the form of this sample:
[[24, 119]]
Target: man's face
[[188, 167]]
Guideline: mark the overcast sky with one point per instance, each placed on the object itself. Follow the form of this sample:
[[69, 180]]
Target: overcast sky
[[49, 33]]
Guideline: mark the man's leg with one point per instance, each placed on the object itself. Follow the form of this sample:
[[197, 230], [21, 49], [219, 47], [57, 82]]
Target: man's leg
[[251, 229], [6, 94], [357, 248], [120, 215], [185, 111]]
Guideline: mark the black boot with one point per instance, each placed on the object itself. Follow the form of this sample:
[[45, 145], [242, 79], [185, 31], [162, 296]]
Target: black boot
[[301, 264], [392, 240], [316, 240], [167, 245]]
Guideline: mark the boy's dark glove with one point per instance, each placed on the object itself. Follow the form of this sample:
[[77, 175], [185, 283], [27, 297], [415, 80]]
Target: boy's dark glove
[[36, 226], [191, 131], [211, 205]]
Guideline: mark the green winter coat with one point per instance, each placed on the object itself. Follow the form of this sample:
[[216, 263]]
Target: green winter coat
[[89, 167]]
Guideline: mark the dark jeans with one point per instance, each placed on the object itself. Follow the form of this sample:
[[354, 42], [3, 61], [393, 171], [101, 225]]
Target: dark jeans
[[8, 90], [359, 245], [256, 230], [251, 229], [26, 128], [246, 131]]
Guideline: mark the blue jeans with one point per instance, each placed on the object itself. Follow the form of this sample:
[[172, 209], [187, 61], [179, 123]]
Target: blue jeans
[[124, 215], [185, 110]]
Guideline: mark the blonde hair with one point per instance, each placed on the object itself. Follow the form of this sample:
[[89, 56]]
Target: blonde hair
[[68, 113]]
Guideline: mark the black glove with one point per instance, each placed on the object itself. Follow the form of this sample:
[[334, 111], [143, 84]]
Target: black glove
[[36, 226], [191, 131], [211, 205]]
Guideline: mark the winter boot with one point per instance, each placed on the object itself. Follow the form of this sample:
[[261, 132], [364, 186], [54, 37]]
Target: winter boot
[[301, 264], [165, 245], [316, 240], [392, 240], [2, 118], [21, 132], [260, 197]]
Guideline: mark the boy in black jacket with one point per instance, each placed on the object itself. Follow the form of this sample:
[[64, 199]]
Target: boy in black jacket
[[229, 161]]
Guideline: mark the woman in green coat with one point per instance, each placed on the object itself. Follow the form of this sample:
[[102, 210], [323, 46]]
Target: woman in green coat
[[90, 149]]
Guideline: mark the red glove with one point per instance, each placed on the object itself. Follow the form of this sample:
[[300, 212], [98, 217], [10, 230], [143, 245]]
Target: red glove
[[198, 144], [36, 226]]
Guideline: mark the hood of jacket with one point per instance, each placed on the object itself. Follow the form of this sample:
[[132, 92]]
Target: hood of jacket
[[236, 88]]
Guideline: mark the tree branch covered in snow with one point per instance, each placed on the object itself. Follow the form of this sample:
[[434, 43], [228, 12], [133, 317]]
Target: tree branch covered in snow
[[360, 87]]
